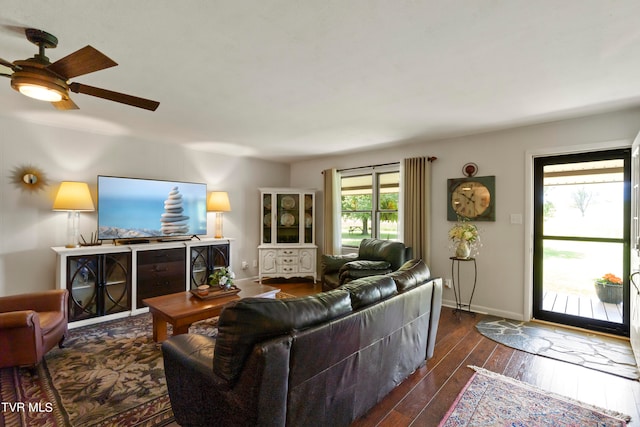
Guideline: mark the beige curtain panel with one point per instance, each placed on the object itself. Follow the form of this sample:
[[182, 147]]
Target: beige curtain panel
[[417, 206], [331, 236]]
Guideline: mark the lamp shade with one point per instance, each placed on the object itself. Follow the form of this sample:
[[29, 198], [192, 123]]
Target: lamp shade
[[218, 202], [73, 196]]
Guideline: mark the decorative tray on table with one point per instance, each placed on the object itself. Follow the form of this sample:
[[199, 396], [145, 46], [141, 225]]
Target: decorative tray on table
[[219, 293]]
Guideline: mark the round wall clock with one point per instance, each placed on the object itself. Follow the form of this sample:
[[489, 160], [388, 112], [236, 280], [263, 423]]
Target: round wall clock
[[471, 198]]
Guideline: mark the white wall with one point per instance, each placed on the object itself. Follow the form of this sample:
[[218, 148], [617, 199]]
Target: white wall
[[504, 257], [29, 228]]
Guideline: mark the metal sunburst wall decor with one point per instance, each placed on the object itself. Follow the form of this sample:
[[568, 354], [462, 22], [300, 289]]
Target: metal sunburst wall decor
[[29, 178]]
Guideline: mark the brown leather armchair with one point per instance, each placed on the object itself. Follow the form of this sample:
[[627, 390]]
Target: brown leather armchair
[[31, 325]]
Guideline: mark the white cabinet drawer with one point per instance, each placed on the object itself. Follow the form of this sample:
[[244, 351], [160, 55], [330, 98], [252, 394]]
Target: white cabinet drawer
[[288, 263], [287, 269], [287, 252]]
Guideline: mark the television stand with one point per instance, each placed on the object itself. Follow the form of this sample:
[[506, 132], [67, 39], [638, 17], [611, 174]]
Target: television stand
[[118, 273]]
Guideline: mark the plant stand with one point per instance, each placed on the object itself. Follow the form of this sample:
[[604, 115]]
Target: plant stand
[[460, 306]]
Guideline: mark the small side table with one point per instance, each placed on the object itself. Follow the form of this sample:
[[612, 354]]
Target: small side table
[[455, 277]]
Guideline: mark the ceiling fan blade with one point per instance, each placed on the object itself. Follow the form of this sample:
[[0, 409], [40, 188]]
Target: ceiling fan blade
[[65, 104], [114, 96], [82, 61], [9, 64]]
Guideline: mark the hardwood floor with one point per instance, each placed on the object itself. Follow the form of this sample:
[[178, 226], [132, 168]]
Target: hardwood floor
[[424, 398]]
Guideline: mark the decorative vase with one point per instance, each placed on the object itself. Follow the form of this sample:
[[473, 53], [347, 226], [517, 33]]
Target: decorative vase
[[463, 250]]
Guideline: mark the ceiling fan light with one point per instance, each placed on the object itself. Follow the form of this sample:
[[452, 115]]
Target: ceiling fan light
[[40, 92]]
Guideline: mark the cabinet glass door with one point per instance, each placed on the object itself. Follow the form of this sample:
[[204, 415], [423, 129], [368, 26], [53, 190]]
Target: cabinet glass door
[[219, 256], [98, 285], [82, 285], [308, 218], [199, 266], [116, 283], [266, 218], [288, 227], [205, 259]]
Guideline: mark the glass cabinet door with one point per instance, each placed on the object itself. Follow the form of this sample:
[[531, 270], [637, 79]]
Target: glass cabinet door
[[266, 218], [98, 285], [219, 256], [308, 218], [288, 226], [83, 287], [117, 286], [288, 217], [205, 259], [199, 266]]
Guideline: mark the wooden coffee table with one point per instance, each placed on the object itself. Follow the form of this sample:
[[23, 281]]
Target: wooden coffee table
[[183, 308]]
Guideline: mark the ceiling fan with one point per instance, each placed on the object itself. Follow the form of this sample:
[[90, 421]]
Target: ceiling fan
[[40, 79]]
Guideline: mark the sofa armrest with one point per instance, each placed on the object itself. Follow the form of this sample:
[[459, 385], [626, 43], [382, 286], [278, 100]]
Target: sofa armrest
[[20, 338], [362, 268], [365, 265], [195, 394], [199, 397], [19, 319], [333, 263]]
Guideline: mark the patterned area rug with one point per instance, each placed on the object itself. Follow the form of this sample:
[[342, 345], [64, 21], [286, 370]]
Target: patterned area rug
[[110, 374], [593, 351], [491, 399]]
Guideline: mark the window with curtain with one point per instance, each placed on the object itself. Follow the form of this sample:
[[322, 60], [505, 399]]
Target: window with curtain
[[369, 204]]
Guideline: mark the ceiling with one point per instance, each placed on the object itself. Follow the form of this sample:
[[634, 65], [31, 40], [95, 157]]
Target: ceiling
[[288, 80]]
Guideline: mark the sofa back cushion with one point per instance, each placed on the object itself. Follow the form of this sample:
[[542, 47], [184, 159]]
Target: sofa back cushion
[[369, 290], [411, 274], [383, 250], [245, 322]]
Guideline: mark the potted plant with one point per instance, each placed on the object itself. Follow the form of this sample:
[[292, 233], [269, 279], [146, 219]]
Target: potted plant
[[609, 288], [222, 278]]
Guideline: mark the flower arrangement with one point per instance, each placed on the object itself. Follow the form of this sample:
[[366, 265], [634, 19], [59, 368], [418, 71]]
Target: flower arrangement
[[609, 279], [464, 231], [223, 277], [465, 237]]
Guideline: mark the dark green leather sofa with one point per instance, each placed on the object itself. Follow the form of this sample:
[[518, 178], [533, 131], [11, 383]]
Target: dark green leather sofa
[[320, 360]]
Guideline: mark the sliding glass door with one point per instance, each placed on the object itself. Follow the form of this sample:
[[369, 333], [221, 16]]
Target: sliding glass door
[[581, 240]]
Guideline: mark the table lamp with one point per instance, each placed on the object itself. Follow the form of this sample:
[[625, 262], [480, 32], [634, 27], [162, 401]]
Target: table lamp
[[73, 197], [218, 202]]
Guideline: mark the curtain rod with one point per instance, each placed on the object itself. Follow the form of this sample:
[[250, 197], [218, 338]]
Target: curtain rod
[[431, 159], [370, 166]]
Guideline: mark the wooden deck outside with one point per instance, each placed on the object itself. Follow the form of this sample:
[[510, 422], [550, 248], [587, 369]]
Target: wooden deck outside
[[578, 305]]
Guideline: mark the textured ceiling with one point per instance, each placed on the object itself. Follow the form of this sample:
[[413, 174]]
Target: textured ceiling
[[293, 79]]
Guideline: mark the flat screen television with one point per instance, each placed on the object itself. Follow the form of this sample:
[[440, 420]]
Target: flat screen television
[[134, 208]]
